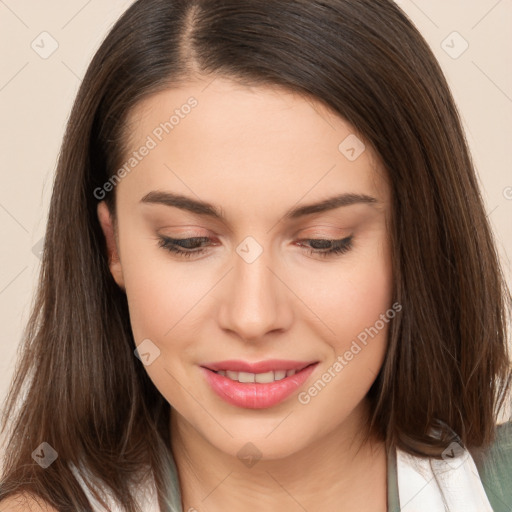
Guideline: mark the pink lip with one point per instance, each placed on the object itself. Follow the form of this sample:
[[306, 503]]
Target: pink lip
[[256, 395], [259, 367]]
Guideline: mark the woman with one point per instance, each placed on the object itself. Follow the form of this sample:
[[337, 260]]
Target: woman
[[268, 280]]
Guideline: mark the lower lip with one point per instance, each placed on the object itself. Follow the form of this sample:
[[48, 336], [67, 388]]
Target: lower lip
[[255, 395]]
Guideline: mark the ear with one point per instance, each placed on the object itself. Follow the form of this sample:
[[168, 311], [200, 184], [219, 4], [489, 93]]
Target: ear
[[114, 261]]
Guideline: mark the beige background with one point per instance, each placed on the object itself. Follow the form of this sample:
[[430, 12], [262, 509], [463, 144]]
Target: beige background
[[36, 95]]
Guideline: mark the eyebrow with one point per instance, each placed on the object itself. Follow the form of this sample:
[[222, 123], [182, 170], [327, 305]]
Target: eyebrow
[[207, 209]]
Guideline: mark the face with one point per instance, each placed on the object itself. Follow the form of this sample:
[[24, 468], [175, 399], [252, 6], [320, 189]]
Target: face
[[264, 285]]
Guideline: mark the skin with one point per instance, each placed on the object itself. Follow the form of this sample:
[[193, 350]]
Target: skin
[[255, 153]]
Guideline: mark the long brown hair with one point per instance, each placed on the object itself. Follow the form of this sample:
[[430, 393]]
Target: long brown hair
[[79, 387]]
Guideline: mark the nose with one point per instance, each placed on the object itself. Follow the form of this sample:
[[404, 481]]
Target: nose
[[255, 302]]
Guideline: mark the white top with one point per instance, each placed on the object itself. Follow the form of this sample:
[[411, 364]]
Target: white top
[[451, 484]]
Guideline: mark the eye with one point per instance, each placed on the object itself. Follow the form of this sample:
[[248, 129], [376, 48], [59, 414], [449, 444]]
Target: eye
[[326, 248], [184, 247], [187, 247]]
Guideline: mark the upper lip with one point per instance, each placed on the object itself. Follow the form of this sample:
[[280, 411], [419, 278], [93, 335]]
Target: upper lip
[[258, 367]]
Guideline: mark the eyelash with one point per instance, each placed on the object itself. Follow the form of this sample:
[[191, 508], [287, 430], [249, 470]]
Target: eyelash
[[170, 244]]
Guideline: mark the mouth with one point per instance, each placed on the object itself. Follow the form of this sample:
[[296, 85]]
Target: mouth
[[261, 377], [273, 383]]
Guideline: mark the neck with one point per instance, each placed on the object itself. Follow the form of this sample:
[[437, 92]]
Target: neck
[[335, 472]]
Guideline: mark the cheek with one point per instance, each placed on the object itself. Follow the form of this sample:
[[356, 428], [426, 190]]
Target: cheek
[[359, 314], [162, 300], [350, 296], [160, 292], [364, 324], [368, 295]]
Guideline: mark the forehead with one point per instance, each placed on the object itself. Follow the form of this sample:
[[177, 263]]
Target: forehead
[[218, 139]]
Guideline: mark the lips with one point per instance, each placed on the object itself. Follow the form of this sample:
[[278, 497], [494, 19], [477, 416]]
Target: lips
[[257, 385]]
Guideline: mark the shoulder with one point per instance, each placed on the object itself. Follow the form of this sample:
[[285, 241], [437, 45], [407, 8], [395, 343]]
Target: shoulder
[[25, 503], [495, 468]]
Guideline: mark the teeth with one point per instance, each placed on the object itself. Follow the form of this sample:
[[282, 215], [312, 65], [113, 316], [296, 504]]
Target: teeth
[[246, 377], [280, 374], [262, 378]]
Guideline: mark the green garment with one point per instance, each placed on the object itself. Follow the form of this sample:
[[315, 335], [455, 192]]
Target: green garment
[[494, 467]]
